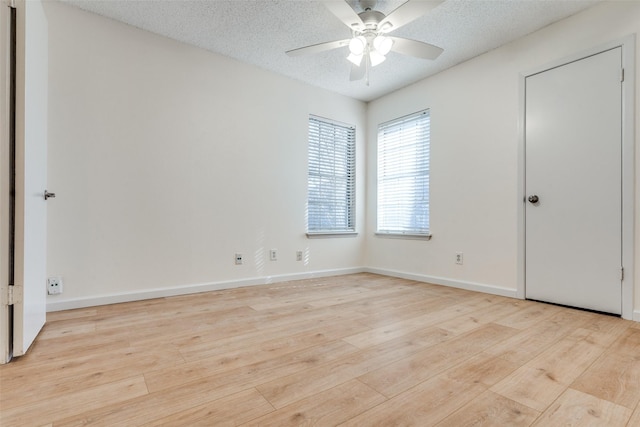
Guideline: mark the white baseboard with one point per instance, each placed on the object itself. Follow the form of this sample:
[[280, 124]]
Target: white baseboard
[[469, 286], [191, 289], [231, 284]]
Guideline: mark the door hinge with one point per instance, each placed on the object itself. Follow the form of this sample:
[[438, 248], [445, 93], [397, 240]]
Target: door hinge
[[12, 296], [621, 274], [622, 74]]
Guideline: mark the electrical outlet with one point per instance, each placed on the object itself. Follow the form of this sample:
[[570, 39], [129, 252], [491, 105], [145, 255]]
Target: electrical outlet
[[54, 285], [299, 256], [238, 259], [273, 255], [459, 258]]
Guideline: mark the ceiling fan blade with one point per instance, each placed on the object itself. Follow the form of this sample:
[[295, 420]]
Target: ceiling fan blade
[[357, 73], [415, 48], [317, 48], [345, 13], [407, 12]]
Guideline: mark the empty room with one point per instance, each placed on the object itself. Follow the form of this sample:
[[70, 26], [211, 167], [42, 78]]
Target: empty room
[[306, 212]]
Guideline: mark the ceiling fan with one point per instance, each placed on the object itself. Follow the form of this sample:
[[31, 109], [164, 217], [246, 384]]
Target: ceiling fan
[[370, 43]]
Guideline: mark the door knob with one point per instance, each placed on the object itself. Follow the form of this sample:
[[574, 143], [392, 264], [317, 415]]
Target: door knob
[[533, 199], [48, 195]]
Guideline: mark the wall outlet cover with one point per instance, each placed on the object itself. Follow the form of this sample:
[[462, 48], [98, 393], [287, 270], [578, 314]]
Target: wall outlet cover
[[54, 285]]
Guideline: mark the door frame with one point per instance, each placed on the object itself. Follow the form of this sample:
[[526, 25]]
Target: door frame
[[628, 45], [7, 151]]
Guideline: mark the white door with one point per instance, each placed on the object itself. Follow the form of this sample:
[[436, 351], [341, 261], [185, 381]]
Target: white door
[[31, 174], [573, 137]]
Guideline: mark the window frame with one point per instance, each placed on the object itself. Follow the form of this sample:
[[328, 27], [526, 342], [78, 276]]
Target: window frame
[[424, 172], [319, 166]]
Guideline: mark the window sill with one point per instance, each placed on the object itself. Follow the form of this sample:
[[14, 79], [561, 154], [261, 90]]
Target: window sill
[[404, 236], [329, 234]]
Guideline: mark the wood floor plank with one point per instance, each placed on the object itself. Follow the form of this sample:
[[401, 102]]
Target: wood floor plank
[[262, 346], [477, 318], [490, 409], [614, 377], [42, 352], [130, 359], [181, 396], [286, 390], [578, 409], [635, 417], [401, 375], [77, 401], [252, 374], [229, 411], [424, 406], [158, 319], [63, 376], [151, 407], [530, 386], [359, 349], [56, 330], [534, 340], [530, 314], [350, 293], [75, 314], [381, 312], [539, 382], [628, 342], [330, 300], [398, 329], [483, 369], [566, 360], [610, 325], [328, 408], [603, 339], [198, 346]]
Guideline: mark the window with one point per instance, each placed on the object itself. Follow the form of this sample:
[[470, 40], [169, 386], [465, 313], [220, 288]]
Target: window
[[403, 175], [331, 179]]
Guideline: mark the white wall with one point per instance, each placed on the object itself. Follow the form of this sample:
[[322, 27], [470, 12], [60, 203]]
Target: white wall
[[474, 170], [156, 195], [167, 160]]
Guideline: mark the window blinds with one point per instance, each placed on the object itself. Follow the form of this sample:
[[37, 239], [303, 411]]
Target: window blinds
[[403, 175], [331, 179]]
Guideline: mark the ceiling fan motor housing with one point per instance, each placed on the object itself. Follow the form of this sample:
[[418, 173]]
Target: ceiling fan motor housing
[[371, 19]]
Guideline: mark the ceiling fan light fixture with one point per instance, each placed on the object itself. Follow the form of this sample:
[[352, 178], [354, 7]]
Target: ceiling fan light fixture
[[376, 58], [355, 59], [382, 44], [357, 45]]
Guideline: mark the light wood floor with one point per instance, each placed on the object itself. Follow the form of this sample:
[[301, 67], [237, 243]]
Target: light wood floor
[[358, 350]]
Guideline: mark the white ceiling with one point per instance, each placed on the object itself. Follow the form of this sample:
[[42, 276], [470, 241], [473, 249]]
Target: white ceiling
[[258, 32]]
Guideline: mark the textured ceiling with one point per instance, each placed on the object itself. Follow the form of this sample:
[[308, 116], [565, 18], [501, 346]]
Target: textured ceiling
[[258, 32]]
